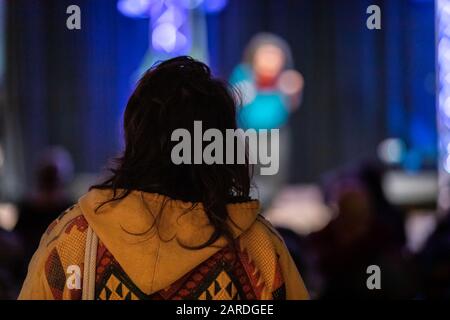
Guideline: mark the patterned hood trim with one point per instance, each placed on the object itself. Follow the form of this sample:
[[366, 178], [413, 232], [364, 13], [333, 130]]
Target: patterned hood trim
[[150, 234]]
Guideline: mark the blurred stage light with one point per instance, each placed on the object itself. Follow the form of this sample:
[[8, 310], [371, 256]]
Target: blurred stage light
[[447, 165], [168, 24], [189, 4], [8, 216], [443, 107], [134, 8], [171, 15], [391, 151], [164, 37], [2, 157], [214, 6], [172, 24], [446, 107]]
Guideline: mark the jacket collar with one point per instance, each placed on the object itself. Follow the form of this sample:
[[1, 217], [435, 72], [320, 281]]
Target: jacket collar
[[150, 234]]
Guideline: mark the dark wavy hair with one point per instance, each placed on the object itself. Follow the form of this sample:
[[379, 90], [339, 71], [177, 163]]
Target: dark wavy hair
[[171, 95]]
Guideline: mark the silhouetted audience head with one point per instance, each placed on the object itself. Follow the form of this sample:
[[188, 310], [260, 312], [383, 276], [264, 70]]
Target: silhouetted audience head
[[54, 169], [46, 201]]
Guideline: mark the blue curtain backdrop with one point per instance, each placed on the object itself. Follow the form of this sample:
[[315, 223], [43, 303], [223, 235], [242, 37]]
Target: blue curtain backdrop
[[70, 87]]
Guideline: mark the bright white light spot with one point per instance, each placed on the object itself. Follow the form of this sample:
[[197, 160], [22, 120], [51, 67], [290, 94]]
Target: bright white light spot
[[446, 107], [134, 8], [8, 216], [391, 151], [447, 164], [172, 15], [443, 70], [164, 37], [2, 157]]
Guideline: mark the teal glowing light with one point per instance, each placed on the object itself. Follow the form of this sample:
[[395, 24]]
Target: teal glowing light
[[267, 111]]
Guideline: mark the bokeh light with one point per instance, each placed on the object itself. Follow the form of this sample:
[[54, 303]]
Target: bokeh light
[[391, 151], [167, 38], [134, 8], [173, 15], [443, 110], [214, 6]]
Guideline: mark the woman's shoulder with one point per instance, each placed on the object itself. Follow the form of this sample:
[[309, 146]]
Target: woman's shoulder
[[60, 256], [70, 225], [260, 250], [263, 229], [262, 239], [264, 247]]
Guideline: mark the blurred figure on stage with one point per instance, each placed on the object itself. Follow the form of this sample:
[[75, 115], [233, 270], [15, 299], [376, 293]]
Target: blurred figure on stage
[[46, 201], [269, 90]]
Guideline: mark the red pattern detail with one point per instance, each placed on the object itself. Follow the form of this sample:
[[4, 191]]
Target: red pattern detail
[[196, 277], [54, 272], [51, 227], [253, 274], [104, 259], [79, 222], [175, 291], [189, 284], [278, 281]]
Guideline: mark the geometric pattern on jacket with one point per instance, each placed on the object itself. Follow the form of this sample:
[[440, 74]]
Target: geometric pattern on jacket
[[229, 274]]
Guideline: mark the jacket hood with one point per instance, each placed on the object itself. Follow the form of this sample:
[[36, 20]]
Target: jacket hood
[[150, 234]]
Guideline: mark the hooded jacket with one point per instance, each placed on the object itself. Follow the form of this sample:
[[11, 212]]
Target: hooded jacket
[[144, 251]]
